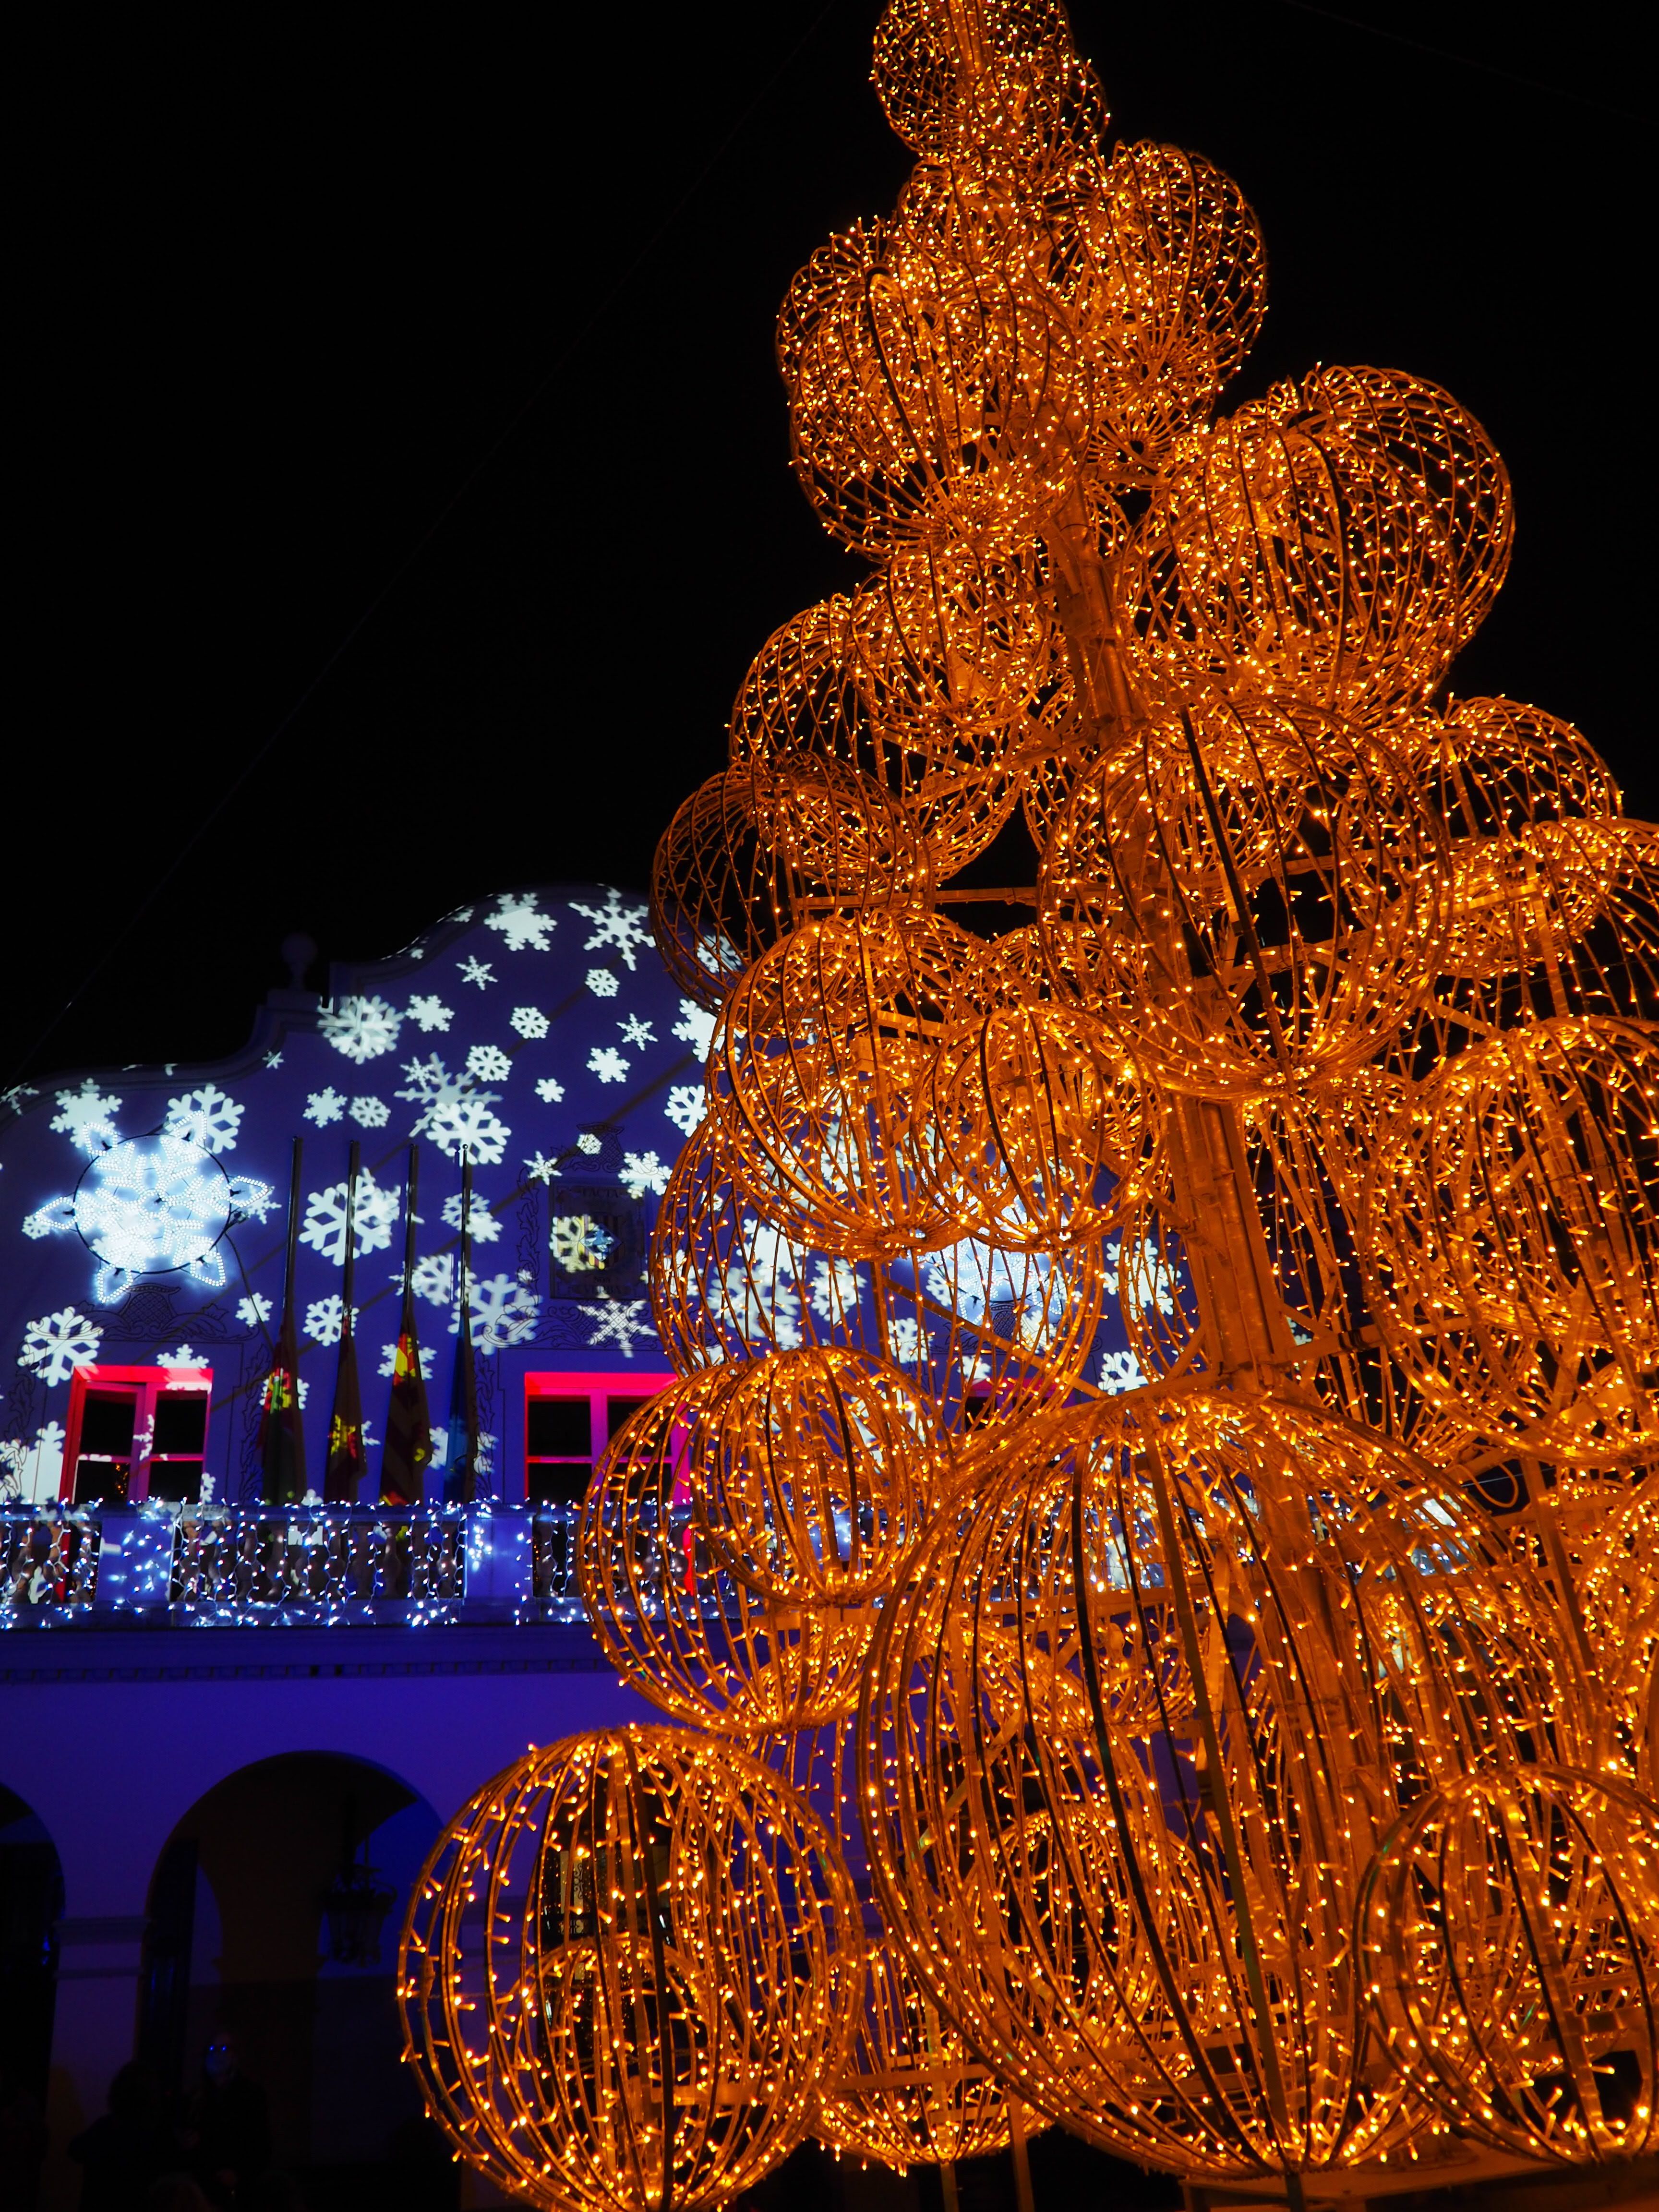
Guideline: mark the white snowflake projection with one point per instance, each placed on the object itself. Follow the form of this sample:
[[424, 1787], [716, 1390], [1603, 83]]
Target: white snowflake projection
[[643, 1172], [487, 1063], [538, 1167], [1019, 1297], [621, 929], [207, 1117], [362, 1028], [86, 1116], [325, 1318], [324, 1226], [453, 1112], [467, 1125], [503, 1312], [324, 1106], [483, 1226], [432, 1278], [637, 1032], [907, 1344], [686, 1106], [529, 1022], [608, 1064], [35, 1472], [1119, 1370], [255, 1310], [766, 1305], [389, 1360], [695, 1027], [834, 1288], [550, 1088], [15, 1094], [428, 1011], [272, 1060], [370, 1113], [184, 1357], [153, 1205], [618, 1321], [1151, 1269], [474, 970], [580, 1244], [522, 928], [58, 1343], [602, 983], [589, 1143]]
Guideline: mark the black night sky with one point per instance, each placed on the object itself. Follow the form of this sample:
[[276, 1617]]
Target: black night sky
[[403, 385]]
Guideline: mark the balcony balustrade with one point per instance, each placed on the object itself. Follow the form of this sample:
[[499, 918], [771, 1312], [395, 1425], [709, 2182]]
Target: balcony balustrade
[[311, 1565]]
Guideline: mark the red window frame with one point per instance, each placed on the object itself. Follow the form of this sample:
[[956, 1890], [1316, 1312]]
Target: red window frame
[[147, 1387], [600, 1390]]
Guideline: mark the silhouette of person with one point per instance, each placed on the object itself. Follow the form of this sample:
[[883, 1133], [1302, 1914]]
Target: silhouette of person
[[125, 2152]]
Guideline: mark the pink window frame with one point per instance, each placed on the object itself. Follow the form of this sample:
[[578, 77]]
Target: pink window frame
[[149, 1385]]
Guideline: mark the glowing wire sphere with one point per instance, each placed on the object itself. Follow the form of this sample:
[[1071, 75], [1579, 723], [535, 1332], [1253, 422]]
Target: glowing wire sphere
[[1127, 1741], [755, 847], [1509, 1240], [1040, 1119], [1337, 542], [1254, 906], [627, 1966], [958, 654], [988, 1333], [1014, 85], [702, 1646], [924, 393], [1167, 290], [806, 695], [1509, 1933], [813, 1474], [1505, 772], [818, 1079]]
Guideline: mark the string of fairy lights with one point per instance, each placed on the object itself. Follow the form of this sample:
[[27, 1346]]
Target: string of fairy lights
[[1242, 1758]]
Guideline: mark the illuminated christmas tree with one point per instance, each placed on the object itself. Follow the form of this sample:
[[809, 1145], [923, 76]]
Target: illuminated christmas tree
[[1158, 1473]]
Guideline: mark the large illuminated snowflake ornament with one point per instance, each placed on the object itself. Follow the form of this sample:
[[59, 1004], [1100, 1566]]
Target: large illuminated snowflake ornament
[[156, 1205]]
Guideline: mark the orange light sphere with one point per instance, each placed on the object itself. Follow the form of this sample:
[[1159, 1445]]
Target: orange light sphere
[[1337, 542], [818, 1081], [806, 695], [1509, 1240], [703, 1647], [988, 1334], [756, 847], [629, 1965], [813, 1474], [1253, 907], [1513, 1956]]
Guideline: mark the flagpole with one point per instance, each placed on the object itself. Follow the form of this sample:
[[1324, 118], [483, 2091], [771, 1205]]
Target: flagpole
[[344, 1472], [408, 1447], [282, 1434]]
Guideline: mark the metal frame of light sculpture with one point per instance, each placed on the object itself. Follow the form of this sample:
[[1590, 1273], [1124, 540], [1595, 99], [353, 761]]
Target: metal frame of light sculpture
[[1331, 1051]]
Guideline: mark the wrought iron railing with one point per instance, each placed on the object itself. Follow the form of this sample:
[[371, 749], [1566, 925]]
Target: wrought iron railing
[[223, 1566], [48, 1560]]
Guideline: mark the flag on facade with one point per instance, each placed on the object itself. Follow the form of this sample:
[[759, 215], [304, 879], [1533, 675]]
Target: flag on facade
[[347, 1457], [408, 1448], [461, 1458], [281, 1431]]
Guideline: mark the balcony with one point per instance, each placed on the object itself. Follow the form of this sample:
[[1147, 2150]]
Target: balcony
[[301, 1566]]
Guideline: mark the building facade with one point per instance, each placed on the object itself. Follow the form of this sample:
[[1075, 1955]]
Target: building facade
[[237, 1713]]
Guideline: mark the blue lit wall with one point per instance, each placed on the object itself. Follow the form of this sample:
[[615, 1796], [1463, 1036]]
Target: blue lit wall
[[142, 1212]]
